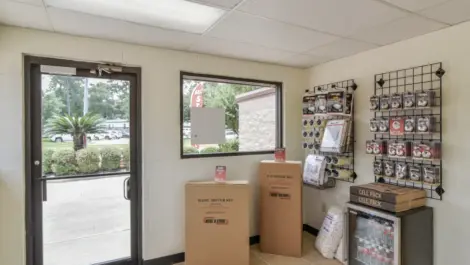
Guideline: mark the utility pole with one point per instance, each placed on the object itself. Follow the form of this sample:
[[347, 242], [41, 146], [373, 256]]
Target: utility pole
[[85, 98]]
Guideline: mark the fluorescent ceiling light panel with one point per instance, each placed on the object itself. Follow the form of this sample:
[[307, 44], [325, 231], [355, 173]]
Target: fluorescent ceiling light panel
[[171, 14]]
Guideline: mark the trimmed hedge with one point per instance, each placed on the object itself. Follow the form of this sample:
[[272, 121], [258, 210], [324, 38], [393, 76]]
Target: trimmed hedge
[[110, 158], [190, 150], [126, 157], [65, 162], [230, 146], [210, 150], [88, 160], [47, 161]]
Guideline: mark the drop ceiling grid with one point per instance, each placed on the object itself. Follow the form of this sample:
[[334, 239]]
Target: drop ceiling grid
[[300, 33]]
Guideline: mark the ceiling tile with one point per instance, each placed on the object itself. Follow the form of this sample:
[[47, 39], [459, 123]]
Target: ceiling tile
[[170, 14], [398, 30], [341, 17], [105, 28], [31, 2], [219, 3], [233, 49], [24, 15], [303, 60], [452, 12], [341, 48], [243, 27], [415, 5]]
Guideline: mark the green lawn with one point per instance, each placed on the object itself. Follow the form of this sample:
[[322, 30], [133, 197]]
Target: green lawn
[[68, 145]]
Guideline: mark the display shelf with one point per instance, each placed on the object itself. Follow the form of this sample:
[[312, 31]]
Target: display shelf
[[415, 79], [349, 86]]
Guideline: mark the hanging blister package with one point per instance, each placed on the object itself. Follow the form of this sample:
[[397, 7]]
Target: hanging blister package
[[378, 168], [431, 174], [374, 125], [389, 168], [401, 170], [409, 100], [415, 172], [425, 124], [397, 101], [410, 124], [383, 124], [374, 103], [384, 102], [425, 99], [348, 103], [335, 102], [320, 103], [314, 170], [308, 107]]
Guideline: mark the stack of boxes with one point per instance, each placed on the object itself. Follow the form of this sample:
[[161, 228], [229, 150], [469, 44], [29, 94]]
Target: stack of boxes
[[218, 218]]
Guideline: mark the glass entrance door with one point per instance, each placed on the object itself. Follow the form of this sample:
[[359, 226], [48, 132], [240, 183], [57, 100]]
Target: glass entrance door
[[84, 156]]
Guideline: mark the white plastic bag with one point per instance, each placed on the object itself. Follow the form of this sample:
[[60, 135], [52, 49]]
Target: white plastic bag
[[331, 232], [340, 251]]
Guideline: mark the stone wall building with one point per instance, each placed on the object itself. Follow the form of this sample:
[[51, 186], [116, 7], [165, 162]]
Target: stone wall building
[[257, 119]]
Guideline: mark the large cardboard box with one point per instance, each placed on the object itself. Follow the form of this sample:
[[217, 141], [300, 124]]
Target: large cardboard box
[[388, 197], [281, 208], [217, 223]]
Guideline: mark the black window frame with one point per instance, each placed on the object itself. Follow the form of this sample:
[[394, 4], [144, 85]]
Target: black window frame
[[242, 81]]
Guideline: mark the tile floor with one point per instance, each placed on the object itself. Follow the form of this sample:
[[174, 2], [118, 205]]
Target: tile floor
[[309, 256]]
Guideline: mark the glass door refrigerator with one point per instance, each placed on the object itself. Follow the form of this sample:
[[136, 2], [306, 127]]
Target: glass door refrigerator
[[376, 237]]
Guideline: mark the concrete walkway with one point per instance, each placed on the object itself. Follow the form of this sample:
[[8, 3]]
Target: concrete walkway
[[86, 221]]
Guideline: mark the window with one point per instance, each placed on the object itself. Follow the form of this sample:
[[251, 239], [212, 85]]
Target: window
[[226, 116]]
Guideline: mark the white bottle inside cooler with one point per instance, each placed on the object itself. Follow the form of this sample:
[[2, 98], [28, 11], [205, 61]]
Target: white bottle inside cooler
[[360, 249]]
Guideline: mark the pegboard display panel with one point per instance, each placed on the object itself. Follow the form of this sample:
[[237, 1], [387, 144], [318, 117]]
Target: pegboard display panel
[[410, 102]]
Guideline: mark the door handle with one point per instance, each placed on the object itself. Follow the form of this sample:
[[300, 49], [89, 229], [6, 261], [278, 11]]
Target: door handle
[[44, 190], [127, 189]]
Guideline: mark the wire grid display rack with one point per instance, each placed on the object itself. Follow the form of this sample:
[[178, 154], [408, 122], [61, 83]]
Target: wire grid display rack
[[415, 79], [348, 86]]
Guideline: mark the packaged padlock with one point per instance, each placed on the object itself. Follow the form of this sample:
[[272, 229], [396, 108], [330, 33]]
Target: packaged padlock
[[378, 168], [396, 101], [425, 124], [410, 124], [374, 103], [415, 172], [431, 174], [389, 169], [409, 100], [425, 99], [401, 170], [376, 147], [385, 102], [321, 103], [426, 150]]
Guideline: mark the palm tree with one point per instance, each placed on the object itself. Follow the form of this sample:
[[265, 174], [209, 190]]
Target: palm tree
[[77, 127]]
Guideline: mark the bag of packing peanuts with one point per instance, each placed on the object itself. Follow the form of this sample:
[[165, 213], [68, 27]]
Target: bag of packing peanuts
[[331, 232]]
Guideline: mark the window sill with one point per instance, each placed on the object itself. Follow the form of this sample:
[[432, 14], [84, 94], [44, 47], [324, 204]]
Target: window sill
[[188, 156]]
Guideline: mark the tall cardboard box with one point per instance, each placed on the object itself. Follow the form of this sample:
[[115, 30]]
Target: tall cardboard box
[[217, 223], [281, 208]]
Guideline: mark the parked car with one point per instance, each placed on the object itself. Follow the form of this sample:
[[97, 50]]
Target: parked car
[[125, 134], [59, 138], [230, 135], [95, 136]]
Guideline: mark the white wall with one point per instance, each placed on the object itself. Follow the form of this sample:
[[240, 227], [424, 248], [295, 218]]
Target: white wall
[[451, 46], [164, 172]]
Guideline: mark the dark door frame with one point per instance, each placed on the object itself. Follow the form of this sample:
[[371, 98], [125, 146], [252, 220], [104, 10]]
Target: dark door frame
[[33, 192]]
